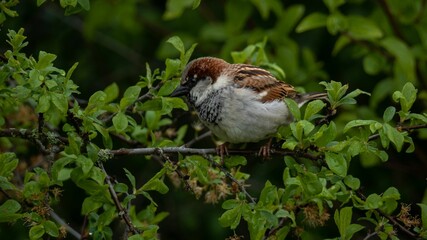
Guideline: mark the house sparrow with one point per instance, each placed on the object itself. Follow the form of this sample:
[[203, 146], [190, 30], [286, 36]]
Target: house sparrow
[[239, 103]]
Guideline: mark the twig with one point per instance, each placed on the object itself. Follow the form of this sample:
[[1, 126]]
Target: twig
[[204, 151], [370, 235], [198, 138], [123, 213], [391, 19], [164, 158], [61, 222], [400, 128]]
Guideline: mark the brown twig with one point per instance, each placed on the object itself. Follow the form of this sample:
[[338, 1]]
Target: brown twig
[[61, 222], [391, 19], [123, 212]]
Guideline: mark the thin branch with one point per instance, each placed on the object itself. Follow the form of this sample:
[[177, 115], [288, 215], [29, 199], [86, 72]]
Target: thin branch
[[391, 19], [164, 158], [400, 128], [123, 213], [61, 222], [198, 138], [372, 234], [205, 151]]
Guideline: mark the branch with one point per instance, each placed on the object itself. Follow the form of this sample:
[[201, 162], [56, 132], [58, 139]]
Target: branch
[[400, 128], [205, 151], [123, 213], [391, 19], [61, 222]]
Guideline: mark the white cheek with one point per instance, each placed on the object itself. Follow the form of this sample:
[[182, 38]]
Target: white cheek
[[222, 81]]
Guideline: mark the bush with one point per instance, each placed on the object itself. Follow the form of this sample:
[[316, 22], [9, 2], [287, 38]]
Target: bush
[[129, 161]]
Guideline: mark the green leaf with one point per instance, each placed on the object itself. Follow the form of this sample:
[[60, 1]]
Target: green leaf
[[60, 101], [130, 96], [45, 60], [313, 107], [407, 97], [333, 4], [131, 178], [358, 123], [362, 28], [312, 21], [373, 201], [121, 188], [8, 163], [112, 92], [337, 163], [36, 232], [51, 228], [90, 204], [342, 220], [423, 214], [44, 103], [231, 218], [352, 229], [96, 101], [177, 43], [352, 182], [5, 184], [8, 211], [310, 183], [85, 4], [120, 122], [396, 137], [85, 163], [268, 195], [389, 114], [155, 185], [234, 161], [405, 61], [168, 87], [172, 68]]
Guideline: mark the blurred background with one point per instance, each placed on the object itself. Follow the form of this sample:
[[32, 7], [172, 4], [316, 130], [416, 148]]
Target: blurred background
[[115, 39]]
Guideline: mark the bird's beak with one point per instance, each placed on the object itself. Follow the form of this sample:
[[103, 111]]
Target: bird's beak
[[180, 91]]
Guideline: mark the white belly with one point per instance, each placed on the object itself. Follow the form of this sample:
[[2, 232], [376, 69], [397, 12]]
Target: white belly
[[245, 119]]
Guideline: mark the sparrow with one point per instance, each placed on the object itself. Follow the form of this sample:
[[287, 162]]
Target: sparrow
[[239, 103]]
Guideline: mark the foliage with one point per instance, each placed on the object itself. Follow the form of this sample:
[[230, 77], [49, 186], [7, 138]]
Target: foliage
[[52, 137]]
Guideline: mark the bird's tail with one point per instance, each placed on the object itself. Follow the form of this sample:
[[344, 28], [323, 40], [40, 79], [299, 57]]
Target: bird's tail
[[303, 98]]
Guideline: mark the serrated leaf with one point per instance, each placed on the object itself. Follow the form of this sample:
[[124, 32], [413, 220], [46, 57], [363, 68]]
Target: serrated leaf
[[172, 68], [310, 183], [8, 163], [177, 43], [168, 87], [343, 219], [60, 101], [45, 60]]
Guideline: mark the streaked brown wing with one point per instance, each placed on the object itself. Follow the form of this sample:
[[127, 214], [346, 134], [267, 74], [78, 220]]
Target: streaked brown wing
[[261, 81]]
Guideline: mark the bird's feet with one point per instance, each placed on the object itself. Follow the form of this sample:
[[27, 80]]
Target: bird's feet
[[265, 150], [221, 151]]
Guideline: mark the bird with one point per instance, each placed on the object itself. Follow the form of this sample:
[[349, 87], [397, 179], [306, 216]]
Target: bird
[[239, 103]]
